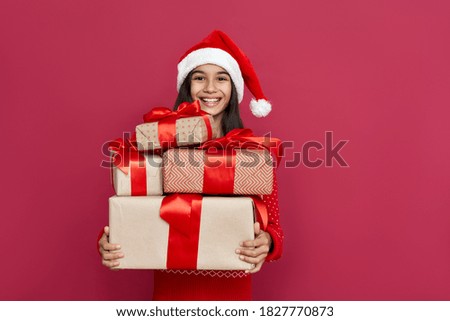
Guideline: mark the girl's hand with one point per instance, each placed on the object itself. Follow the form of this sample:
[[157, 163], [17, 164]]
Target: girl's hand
[[109, 259], [255, 251]]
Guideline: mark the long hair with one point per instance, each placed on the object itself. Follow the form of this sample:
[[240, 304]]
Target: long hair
[[231, 118]]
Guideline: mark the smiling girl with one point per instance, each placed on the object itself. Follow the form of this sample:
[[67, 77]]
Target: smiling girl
[[214, 72]]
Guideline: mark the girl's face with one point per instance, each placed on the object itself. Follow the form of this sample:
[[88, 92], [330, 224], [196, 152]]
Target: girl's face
[[211, 85]]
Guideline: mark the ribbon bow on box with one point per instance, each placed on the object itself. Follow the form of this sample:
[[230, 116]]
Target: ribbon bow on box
[[124, 153], [126, 157], [184, 110], [167, 118], [220, 158], [244, 138]]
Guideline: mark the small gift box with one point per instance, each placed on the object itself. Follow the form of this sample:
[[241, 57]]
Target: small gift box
[[164, 128], [183, 231], [135, 173]]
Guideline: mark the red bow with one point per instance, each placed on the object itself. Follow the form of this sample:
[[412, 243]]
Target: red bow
[[167, 118], [244, 138], [123, 151], [184, 110]]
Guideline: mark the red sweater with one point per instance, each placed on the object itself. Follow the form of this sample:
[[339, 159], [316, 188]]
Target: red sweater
[[201, 285]]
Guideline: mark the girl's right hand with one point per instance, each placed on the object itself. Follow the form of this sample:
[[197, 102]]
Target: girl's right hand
[[109, 258]]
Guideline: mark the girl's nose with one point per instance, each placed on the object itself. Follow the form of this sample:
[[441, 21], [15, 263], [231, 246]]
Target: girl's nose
[[209, 87]]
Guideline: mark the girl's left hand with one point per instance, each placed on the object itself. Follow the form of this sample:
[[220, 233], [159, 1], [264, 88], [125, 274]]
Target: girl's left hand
[[255, 251]]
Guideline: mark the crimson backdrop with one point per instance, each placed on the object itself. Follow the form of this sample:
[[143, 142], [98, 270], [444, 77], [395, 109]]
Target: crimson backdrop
[[74, 74]]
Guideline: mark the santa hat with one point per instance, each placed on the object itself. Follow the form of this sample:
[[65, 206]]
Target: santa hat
[[218, 49]]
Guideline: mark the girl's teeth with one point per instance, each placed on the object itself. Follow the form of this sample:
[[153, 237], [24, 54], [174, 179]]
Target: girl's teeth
[[210, 100]]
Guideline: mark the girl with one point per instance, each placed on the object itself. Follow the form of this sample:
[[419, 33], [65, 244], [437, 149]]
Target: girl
[[214, 72]]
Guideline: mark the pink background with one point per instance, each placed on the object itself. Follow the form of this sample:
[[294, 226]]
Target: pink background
[[74, 74]]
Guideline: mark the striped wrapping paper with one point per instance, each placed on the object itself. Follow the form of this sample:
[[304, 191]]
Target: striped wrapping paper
[[184, 172]]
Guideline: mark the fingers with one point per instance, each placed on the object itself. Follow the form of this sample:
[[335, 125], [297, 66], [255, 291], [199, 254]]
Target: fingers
[[111, 264], [252, 256], [255, 251], [104, 242], [257, 228], [256, 257], [105, 246], [257, 262], [110, 252], [111, 259], [261, 239], [112, 256], [256, 268]]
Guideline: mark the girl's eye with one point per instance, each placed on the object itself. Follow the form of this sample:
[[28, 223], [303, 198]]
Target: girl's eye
[[223, 79], [198, 78]]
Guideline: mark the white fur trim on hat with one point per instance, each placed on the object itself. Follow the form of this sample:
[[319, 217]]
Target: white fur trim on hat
[[260, 107], [214, 56]]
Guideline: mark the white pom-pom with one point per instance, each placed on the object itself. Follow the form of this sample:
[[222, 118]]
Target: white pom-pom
[[260, 107]]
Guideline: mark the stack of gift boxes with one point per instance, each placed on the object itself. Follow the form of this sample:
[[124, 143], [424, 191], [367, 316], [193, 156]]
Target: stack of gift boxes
[[184, 198]]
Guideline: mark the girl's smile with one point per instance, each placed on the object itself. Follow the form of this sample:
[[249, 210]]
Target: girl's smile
[[210, 102]]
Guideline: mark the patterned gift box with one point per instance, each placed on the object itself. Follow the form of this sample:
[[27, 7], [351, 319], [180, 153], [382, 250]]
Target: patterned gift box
[[238, 172], [163, 128], [154, 233]]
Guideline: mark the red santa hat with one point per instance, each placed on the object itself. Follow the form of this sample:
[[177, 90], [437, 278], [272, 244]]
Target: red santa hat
[[218, 49]]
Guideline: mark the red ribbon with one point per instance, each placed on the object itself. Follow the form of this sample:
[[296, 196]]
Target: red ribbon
[[244, 138], [219, 170], [220, 160], [127, 158], [167, 118], [182, 212], [262, 215]]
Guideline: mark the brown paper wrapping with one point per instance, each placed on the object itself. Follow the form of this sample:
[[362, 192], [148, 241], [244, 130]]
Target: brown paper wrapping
[[135, 225], [189, 131], [153, 169]]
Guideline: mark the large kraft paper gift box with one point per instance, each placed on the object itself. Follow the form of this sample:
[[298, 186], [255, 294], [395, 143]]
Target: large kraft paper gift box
[[203, 233], [238, 172], [135, 173], [164, 128]]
